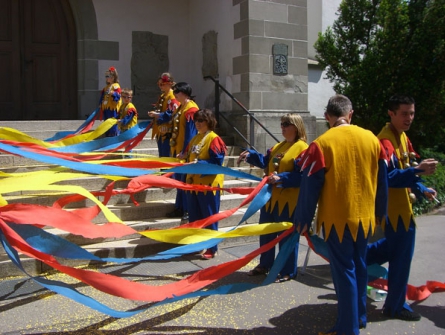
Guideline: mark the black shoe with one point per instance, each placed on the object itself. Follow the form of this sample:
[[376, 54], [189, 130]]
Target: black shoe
[[177, 213], [404, 315]]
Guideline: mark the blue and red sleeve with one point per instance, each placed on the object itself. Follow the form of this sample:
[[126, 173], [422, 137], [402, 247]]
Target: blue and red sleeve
[[127, 118], [190, 129], [312, 179]]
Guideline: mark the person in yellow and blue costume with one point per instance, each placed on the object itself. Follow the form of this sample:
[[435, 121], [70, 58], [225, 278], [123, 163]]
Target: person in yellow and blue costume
[[205, 148], [344, 171], [397, 247], [128, 115], [110, 100], [279, 163], [183, 131], [164, 108]]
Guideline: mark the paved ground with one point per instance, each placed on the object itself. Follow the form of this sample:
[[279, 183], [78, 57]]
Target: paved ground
[[303, 306]]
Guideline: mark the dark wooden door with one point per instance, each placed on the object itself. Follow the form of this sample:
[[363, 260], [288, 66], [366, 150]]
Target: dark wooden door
[[37, 60]]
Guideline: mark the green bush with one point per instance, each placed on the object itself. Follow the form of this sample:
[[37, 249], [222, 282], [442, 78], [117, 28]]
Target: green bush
[[435, 181]]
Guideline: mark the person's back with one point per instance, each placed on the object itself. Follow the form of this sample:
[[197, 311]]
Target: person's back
[[344, 171], [351, 164]]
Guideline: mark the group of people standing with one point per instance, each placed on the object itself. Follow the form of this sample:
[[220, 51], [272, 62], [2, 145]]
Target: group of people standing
[[117, 103], [352, 181], [184, 131], [352, 178]]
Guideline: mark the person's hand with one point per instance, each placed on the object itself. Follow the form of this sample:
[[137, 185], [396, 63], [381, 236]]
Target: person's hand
[[181, 155], [428, 166], [242, 157], [273, 179], [430, 194], [153, 114]]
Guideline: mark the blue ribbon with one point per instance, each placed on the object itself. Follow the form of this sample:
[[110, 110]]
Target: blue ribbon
[[206, 169], [106, 143], [78, 166], [61, 134], [64, 289]]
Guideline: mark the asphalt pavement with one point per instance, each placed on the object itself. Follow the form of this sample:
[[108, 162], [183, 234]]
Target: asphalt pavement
[[304, 306]]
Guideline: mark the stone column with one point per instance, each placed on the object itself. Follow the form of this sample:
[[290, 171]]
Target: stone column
[[273, 65]]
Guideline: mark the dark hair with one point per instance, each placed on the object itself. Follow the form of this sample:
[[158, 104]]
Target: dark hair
[[339, 105], [398, 99], [208, 116], [183, 88]]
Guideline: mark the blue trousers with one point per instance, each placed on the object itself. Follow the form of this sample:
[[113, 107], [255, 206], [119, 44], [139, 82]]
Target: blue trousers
[[201, 206], [163, 146], [181, 199], [113, 131], [267, 258], [349, 274], [396, 248]]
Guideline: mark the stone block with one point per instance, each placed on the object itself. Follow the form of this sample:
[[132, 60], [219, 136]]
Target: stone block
[[248, 27], [300, 3], [260, 10], [88, 75], [244, 10], [245, 82], [297, 15], [262, 45], [321, 127], [241, 64], [285, 30], [260, 63], [284, 101], [298, 66], [300, 49], [250, 100], [88, 102]]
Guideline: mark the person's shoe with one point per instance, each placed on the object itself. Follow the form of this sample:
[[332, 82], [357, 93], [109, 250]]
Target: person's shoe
[[282, 279], [177, 213], [208, 254], [185, 216], [404, 315], [257, 271]]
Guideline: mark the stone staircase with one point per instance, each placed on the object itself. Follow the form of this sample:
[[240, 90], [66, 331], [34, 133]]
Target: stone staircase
[[153, 203]]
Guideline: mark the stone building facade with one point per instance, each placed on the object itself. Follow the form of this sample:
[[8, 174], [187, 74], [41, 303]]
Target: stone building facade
[[259, 51]]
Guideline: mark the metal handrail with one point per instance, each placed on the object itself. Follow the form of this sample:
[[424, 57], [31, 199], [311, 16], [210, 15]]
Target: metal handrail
[[252, 117]]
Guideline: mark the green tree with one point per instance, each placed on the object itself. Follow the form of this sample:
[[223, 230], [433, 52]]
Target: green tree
[[377, 48]]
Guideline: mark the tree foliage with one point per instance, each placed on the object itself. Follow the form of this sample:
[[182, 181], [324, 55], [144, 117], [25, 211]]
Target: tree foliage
[[377, 48]]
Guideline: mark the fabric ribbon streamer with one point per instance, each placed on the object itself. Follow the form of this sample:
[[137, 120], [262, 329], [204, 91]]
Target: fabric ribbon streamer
[[83, 128], [21, 224]]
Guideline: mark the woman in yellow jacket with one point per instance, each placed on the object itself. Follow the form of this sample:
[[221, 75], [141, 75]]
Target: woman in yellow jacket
[[205, 148]]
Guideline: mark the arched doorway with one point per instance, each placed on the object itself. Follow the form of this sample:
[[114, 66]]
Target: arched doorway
[[37, 60]]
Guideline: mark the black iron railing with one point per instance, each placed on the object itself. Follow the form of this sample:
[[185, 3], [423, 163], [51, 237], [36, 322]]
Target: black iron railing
[[252, 118]]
